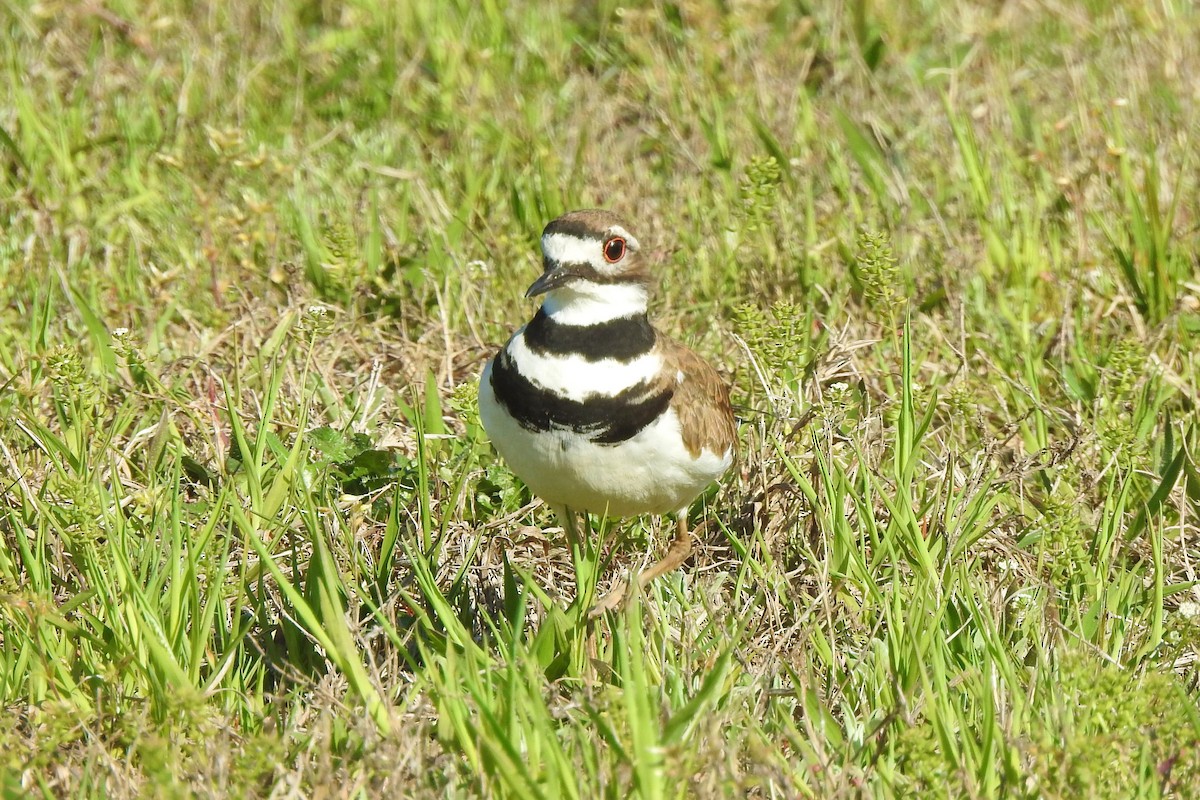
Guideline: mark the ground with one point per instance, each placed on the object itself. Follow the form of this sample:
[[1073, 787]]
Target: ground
[[254, 542]]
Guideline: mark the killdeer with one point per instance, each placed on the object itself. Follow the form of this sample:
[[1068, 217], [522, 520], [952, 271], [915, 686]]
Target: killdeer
[[595, 409]]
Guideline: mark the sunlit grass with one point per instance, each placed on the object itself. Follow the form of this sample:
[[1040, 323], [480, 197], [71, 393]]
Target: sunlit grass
[[253, 539]]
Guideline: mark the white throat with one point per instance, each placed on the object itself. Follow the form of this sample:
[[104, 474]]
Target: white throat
[[587, 303]]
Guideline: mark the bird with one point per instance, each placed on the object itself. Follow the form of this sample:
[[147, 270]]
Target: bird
[[595, 409]]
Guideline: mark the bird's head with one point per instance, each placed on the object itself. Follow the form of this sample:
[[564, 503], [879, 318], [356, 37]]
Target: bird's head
[[591, 268]]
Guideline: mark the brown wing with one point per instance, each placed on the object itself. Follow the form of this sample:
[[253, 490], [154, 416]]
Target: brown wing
[[701, 400]]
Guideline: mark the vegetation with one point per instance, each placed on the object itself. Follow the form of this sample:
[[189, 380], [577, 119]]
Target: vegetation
[[254, 542]]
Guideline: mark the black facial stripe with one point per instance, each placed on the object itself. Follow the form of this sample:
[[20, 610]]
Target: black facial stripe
[[587, 272], [623, 338], [602, 419]]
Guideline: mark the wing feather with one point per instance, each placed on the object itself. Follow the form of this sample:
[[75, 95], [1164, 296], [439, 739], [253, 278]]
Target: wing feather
[[701, 400]]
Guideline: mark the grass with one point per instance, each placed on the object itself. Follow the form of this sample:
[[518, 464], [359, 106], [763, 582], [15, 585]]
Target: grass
[[253, 540]]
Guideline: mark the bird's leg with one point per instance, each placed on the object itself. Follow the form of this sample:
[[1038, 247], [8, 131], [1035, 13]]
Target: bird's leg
[[583, 554], [677, 553], [611, 600], [570, 524]]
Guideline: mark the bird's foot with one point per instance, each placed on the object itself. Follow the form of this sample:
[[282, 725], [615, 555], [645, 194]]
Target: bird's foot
[[611, 601]]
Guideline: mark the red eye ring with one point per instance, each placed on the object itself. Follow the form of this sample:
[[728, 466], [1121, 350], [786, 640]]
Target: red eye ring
[[614, 249]]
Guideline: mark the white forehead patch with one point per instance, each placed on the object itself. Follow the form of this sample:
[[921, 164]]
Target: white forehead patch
[[563, 248]]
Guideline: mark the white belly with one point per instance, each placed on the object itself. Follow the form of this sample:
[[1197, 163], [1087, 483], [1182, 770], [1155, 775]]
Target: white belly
[[650, 473]]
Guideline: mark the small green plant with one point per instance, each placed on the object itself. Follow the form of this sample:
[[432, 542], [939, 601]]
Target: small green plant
[[782, 340], [75, 388], [1125, 366], [759, 192], [877, 271]]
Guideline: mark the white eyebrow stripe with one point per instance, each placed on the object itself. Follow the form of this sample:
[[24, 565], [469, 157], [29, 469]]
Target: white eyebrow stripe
[[563, 248], [617, 230]]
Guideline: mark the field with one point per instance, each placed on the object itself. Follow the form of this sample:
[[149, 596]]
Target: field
[[255, 543]]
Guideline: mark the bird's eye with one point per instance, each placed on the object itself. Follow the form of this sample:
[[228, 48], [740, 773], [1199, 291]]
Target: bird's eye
[[614, 250]]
